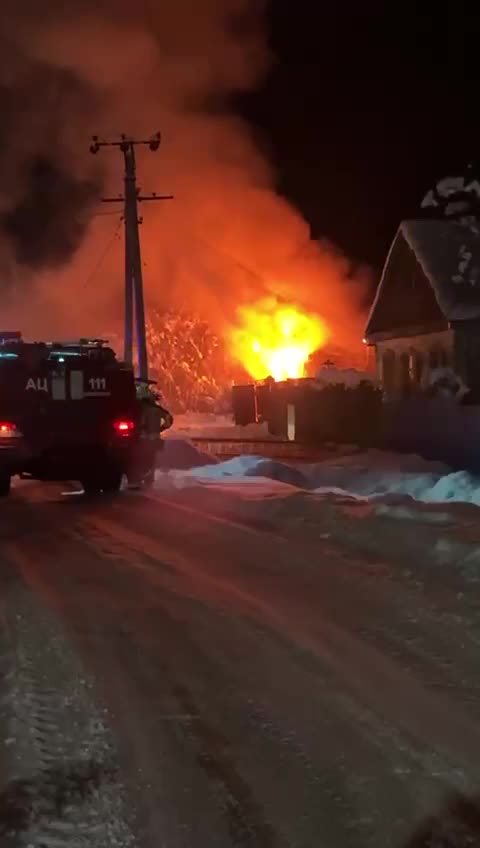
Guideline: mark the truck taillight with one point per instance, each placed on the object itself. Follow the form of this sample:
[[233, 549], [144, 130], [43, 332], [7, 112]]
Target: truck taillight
[[124, 426], [8, 430]]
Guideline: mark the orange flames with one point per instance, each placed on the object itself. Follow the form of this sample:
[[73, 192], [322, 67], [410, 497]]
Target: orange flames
[[275, 340]]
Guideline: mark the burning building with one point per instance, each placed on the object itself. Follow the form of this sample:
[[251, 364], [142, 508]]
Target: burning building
[[275, 339], [228, 241]]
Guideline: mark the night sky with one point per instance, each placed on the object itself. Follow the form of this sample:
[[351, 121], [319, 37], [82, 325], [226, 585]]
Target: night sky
[[365, 108]]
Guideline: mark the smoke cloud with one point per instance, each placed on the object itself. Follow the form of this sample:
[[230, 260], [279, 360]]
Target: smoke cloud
[[69, 70]]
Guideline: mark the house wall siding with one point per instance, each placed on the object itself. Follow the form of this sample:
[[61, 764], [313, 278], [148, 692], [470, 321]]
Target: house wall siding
[[403, 364], [467, 353]]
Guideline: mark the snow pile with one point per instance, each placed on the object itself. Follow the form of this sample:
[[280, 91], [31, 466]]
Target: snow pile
[[181, 454], [454, 195], [466, 273], [244, 467], [362, 502], [373, 475], [457, 487], [444, 377]]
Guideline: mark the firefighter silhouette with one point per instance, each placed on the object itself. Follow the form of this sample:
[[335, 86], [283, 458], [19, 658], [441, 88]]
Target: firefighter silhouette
[[154, 419]]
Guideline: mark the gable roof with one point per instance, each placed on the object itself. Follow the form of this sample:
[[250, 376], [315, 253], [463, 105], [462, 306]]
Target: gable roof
[[448, 254]]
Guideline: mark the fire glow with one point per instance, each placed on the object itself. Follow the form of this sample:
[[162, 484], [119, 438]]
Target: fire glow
[[275, 340]]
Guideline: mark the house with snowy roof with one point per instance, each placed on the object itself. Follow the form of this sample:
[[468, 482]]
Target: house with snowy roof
[[426, 312]]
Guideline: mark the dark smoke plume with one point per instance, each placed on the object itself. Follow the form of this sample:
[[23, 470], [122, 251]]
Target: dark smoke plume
[[49, 221], [46, 202]]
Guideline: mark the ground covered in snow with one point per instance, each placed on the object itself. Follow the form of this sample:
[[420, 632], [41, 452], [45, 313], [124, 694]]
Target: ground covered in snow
[[173, 652], [373, 475], [371, 499], [60, 772]]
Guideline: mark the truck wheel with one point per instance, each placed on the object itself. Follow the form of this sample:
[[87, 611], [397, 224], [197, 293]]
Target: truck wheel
[[90, 486], [108, 482], [111, 482], [5, 482], [149, 479]]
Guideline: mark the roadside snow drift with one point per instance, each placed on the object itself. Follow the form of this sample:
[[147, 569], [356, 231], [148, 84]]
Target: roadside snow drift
[[182, 454], [360, 501], [373, 475]]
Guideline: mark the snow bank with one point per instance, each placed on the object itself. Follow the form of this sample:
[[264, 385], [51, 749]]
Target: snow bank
[[374, 475], [181, 454], [245, 467], [362, 502]]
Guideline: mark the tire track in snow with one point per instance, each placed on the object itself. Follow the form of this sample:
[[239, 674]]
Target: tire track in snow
[[64, 789]]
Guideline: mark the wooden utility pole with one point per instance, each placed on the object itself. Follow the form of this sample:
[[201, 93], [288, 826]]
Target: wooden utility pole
[[134, 299]]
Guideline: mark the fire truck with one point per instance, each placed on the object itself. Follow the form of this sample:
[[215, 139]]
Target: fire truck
[[70, 410]]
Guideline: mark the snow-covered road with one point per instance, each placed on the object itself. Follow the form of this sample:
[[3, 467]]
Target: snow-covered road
[[247, 665]]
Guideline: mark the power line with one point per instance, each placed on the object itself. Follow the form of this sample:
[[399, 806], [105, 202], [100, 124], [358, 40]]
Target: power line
[[103, 214], [104, 253], [234, 260]]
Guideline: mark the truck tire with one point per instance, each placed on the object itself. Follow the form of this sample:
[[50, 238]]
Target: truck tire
[[90, 486], [111, 481], [149, 479], [5, 484], [108, 481]]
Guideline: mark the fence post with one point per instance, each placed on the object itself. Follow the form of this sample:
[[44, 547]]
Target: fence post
[[291, 422]]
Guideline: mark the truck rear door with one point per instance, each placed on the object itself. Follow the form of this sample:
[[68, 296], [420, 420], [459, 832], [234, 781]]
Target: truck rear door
[[60, 404], [86, 398]]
